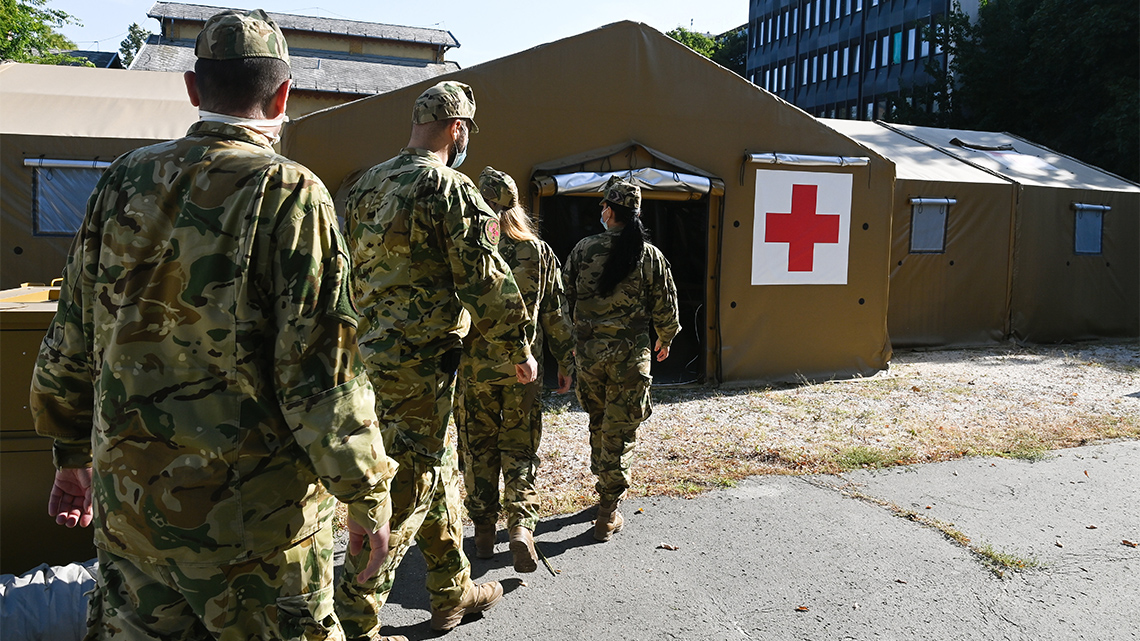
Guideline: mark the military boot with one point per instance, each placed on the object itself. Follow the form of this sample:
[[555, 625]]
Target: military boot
[[485, 540], [609, 521], [522, 547], [395, 637], [477, 598]]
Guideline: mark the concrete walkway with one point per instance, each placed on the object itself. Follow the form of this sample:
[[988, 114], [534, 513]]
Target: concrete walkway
[[782, 557]]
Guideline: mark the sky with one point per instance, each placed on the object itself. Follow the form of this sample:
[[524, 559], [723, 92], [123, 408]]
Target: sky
[[485, 29]]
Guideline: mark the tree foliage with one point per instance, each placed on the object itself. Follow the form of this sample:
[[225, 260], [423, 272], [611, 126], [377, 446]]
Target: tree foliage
[[136, 37], [729, 49], [28, 28], [1060, 73]]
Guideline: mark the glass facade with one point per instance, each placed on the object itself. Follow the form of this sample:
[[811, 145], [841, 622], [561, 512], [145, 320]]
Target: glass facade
[[814, 62]]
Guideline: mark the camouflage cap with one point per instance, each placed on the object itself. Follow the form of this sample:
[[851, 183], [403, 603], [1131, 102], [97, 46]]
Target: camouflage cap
[[622, 192], [230, 35], [448, 99], [498, 187]]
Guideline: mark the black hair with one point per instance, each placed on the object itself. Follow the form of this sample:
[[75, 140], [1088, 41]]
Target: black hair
[[627, 249], [239, 86]]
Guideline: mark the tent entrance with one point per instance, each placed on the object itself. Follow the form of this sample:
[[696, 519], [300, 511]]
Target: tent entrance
[[677, 202]]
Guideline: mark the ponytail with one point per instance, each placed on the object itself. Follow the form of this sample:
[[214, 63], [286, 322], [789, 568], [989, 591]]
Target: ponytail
[[626, 252]]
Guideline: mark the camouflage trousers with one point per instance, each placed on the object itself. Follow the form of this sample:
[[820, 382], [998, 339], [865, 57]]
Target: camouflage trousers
[[615, 394], [426, 508], [286, 594], [500, 426]]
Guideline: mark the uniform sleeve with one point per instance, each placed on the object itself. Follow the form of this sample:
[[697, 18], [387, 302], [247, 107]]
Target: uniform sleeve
[[483, 280], [554, 313], [663, 300], [570, 281], [320, 379], [62, 395]]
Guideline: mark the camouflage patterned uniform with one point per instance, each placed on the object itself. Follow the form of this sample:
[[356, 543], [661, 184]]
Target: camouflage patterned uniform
[[500, 421], [614, 351], [203, 361], [423, 244]]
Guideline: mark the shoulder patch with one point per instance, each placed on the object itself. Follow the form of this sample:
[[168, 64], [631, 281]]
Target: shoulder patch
[[490, 235]]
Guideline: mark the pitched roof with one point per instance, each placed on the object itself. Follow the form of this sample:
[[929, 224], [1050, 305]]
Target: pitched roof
[[101, 59], [198, 12], [312, 70]]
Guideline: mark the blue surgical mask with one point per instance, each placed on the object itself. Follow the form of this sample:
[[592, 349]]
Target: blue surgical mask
[[457, 158], [603, 219]]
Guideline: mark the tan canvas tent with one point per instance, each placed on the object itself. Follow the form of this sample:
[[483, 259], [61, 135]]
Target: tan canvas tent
[[626, 97], [60, 128], [952, 240], [1076, 237]]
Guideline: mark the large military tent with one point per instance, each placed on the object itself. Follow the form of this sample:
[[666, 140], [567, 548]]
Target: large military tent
[[60, 127], [951, 243], [1076, 237], [711, 150]]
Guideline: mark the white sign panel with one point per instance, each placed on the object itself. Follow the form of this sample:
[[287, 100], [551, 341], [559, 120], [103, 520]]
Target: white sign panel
[[802, 228]]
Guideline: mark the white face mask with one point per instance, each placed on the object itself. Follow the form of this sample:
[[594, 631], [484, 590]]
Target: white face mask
[[268, 127], [603, 218]]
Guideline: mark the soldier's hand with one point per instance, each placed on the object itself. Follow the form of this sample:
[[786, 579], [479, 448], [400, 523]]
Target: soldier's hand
[[564, 383], [662, 352], [377, 543], [528, 371], [70, 499]]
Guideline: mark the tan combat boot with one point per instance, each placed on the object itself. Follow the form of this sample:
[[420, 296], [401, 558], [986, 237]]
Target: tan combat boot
[[609, 521], [485, 540], [395, 637], [477, 598], [522, 547]]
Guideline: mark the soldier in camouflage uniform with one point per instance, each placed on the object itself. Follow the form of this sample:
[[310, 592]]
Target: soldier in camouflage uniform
[[499, 421], [423, 242], [619, 286], [201, 377]]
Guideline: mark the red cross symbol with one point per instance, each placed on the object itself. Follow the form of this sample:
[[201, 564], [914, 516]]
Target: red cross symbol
[[802, 228]]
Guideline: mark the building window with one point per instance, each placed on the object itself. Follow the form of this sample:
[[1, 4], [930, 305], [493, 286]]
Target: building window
[[858, 6], [846, 59], [928, 224], [847, 8], [61, 194], [804, 66], [783, 77], [835, 63], [870, 111], [768, 79], [896, 48], [795, 19], [787, 23], [886, 45], [817, 12], [814, 70], [873, 58], [827, 11], [855, 58], [769, 31], [823, 66], [910, 44], [1088, 228]]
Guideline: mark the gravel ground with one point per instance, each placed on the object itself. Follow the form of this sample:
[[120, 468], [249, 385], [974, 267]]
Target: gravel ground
[[1009, 400]]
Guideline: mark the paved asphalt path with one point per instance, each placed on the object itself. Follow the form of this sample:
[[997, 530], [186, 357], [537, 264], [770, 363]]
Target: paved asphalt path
[[786, 557]]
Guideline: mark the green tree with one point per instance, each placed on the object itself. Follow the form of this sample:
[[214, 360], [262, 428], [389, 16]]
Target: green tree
[[729, 49], [28, 28], [696, 41], [732, 50], [136, 37], [1060, 73]]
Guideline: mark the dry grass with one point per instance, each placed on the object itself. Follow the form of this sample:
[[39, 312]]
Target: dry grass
[[929, 406], [1009, 401]]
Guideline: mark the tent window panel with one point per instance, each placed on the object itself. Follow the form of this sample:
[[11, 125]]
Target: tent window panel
[[61, 199], [1089, 231], [928, 228]]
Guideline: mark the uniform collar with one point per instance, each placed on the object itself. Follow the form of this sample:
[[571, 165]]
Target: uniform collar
[[226, 130]]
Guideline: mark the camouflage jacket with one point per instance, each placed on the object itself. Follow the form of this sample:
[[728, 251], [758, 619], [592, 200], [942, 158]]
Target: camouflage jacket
[[539, 278], [618, 325], [424, 250], [203, 356]]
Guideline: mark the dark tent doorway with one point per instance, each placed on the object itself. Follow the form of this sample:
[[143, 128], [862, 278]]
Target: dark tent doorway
[[677, 201]]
